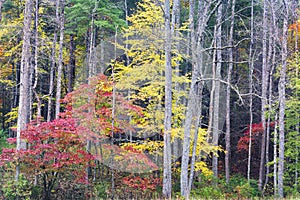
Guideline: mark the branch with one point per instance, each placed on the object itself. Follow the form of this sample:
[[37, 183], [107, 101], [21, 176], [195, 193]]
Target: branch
[[225, 82]]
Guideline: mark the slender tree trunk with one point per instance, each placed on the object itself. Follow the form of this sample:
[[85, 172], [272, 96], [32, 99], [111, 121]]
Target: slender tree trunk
[[90, 69], [269, 103], [251, 66], [189, 112], [71, 71], [216, 113], [24, 80], [275, 159], [60, 58], [281, 90], [193, 97], [175, 23], [36, 48], [113, 115], [167, 176], [1, 2], [227, 134], [264, 81], [52, 62]]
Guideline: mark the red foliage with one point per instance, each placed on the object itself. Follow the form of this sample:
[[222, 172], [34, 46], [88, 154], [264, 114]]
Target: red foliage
[[53, 147], [92, 105], [243, 143], [141, 183]]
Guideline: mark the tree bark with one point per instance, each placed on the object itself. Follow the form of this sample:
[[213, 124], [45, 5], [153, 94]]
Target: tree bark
[[193, 98], [227, 134], [264, 81], [23, 112], [52, 62], [60, 58], [216, 103], [1, 2], [167, 176], [251, 67], [71, 71], [281, 90]]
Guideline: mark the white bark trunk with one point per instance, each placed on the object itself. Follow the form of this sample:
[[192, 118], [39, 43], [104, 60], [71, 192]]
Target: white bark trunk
[[264, 81], [23, 112], [227, 134], [60, 59], [167, 184], [281, 90], [216, 113]]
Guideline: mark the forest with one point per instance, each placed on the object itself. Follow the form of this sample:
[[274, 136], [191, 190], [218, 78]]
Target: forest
[[149, 99]]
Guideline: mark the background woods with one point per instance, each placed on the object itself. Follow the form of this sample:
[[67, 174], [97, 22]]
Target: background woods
[[149, 99]]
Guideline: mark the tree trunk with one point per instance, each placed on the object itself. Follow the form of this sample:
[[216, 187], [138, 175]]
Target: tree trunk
[[167, 176], [52, 62], [264, 81], [193, 97], [71, 71], [269, 103], [275, 159], [60, 58], [189, 112], [251, 67], [227, 134], [281, 90], [216, 103], [23, 111], [1, 2]]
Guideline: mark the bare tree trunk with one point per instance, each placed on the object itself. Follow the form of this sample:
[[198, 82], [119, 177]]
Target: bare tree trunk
[[175, 23], [167, 176], [60, 58], [193, 97], [251, 66], [227, 134], [281, 90], [36, 47], [216, 113], [71, 71], [52, 62], [269, 102], [91, 68], [1, 2], [264, 81], [275, 159], [113, 116], [24, 80], [189, 112]]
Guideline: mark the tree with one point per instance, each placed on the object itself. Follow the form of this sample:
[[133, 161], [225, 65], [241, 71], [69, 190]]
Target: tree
[[56, 150], [61, 4], [264, 88], [282, 103], [193, 110], [217, 87], [167, 180], [227, 134], [23, 112]]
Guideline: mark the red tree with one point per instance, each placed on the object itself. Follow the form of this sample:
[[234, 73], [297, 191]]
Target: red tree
[[55, 150]]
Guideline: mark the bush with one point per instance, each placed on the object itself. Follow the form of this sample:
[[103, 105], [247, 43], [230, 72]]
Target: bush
[[15, 189]]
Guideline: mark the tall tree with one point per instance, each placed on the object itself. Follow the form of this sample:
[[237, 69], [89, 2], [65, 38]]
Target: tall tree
[[53, 61], [60, 57], [227, 134], [23, 111], [167, 173], [281, 90], [217, 78], [251, 66], [264, 87], [206, 8]]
